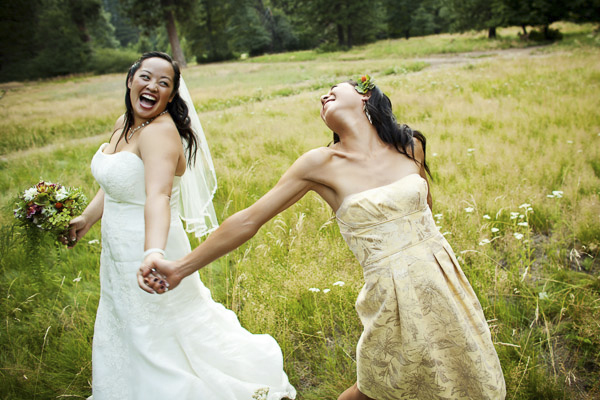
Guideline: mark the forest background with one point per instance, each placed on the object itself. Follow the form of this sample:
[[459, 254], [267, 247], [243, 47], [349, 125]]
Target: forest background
[[44, 38]]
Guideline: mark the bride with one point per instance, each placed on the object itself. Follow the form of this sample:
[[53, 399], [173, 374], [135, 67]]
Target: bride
[[182, 345]]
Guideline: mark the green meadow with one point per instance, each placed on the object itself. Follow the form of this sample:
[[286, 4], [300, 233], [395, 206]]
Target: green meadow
[[513, 142]]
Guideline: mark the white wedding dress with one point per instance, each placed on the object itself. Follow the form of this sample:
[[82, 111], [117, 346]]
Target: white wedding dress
[[179, 345]]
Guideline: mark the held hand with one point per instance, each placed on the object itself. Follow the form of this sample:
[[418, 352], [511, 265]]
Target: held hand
[[157, 275], [78, 227]]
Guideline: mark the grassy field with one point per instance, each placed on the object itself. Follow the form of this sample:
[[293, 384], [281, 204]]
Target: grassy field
[[514, 146]]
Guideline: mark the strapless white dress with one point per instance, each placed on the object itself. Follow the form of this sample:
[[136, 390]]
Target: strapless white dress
[[179, 345]]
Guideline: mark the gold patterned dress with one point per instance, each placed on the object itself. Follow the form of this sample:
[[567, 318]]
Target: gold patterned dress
[[425, 335]]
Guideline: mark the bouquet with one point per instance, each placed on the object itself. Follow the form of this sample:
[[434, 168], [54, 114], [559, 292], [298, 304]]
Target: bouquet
[[49, 207]]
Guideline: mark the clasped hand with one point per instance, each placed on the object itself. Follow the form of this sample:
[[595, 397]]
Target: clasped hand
[[157, 275]]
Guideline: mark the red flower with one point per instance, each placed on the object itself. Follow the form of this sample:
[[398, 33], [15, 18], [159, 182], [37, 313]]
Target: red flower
[[58, 205], [363, 78]]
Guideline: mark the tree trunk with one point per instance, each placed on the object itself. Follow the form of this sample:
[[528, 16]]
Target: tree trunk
[[340, 32], [524, 30], [492, 33], [174, 39], [349, 37]]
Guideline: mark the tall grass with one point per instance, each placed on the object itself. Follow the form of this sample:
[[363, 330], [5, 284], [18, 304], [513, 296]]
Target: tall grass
[[503, 134]]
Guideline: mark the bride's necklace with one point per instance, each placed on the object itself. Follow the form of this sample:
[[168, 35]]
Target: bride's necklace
[[134, 130]]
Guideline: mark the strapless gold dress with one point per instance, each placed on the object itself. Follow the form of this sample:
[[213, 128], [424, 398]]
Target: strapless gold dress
[[425, 335]]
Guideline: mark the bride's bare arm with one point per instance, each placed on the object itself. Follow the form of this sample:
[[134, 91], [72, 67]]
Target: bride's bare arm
[[238, 228], [160, 148]]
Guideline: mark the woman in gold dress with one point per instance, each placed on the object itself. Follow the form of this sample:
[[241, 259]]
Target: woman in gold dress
[[425, 335]]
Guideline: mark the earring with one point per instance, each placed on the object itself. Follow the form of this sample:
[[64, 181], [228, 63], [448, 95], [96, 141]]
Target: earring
[[367, 112]]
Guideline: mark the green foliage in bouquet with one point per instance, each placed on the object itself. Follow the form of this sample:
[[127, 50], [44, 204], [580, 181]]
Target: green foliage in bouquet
[[47, 208]]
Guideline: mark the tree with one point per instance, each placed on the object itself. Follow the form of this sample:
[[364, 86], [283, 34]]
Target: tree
[[208, 32], [18, 45], [400, 17], [349, 21], [477, 14], [150, 13], [585, 11], [249, 34], [125, 30]]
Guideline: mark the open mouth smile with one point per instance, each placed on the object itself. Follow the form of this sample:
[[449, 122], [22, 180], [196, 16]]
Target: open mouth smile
[[147, 100]]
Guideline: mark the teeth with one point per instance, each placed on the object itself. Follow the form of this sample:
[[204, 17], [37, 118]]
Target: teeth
[[145, 96]]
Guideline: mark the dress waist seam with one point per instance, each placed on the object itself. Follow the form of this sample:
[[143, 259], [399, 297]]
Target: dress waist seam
[[382, 222], [426, 238]]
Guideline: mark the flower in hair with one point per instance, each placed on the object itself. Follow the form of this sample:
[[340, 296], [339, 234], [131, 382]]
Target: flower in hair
[[365, 83]]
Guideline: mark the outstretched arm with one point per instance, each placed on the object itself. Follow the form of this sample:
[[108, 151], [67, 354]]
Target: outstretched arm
[[235, 230]]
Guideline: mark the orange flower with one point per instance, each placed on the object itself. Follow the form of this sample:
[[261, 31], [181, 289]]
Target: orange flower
[[58, 205], [363, 78]]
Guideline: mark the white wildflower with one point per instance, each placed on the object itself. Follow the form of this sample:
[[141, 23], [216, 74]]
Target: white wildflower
[[557, 193], [48, 211], [543, 295], [469, 209], [518, 235], [30, 194], [314, 289], [484, 242], [525, 205], [514, 215], [438, 216], [529, 209], [339, 283], [524, 223], [93, 241], [487, 217], [326, 290], [494, 230], [62, 194], [77, 279], [447, 233], [570, 141], [470, 150], [435, 154], [521, 216]]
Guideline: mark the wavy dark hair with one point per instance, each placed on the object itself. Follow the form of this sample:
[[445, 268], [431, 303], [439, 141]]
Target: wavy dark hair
[[177, 107], [388, 128]]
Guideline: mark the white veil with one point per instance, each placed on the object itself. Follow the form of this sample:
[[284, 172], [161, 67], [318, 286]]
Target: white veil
[[199, 182]]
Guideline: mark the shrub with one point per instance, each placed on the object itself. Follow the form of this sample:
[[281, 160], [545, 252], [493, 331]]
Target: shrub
[[104, 61]]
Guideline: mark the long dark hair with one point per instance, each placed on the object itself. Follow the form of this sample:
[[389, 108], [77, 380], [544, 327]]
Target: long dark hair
[[388, 129], [177, 107]]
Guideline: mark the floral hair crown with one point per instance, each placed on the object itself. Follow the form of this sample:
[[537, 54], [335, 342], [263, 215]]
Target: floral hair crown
[[365, 83]]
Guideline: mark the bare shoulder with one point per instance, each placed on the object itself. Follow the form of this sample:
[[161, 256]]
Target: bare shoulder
[[314, 160], [161, 131], [119, 124], [161, 136]]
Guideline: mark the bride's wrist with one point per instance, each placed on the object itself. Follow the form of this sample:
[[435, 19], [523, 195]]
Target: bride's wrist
[[154, 250], [149, 257]]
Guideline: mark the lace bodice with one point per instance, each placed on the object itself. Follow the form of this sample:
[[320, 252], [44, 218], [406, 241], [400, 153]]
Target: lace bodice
[[121, 176]]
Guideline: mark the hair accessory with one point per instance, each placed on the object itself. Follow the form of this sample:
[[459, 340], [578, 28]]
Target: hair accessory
[[364, 84], [366, 110], [134, 130]]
